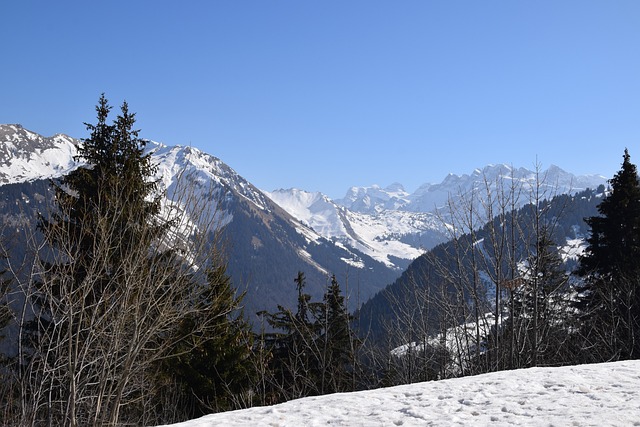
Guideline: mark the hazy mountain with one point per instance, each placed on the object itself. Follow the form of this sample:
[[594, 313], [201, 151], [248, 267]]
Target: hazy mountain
[[395, 227], [429, 197]]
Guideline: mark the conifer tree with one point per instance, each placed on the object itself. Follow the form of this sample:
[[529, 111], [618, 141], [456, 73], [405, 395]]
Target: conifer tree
[[217, 368], [113, 287], [536, 307], [610, 267], [294, 346], [338, 341], [5, 311]]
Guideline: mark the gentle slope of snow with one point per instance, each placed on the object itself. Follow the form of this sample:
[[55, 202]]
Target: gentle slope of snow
[[586, 395]]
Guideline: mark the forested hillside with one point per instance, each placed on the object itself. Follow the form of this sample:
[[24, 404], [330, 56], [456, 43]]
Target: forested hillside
[[509, 236]]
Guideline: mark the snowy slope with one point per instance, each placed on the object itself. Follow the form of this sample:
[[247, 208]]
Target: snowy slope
[[374, 199], [393, 226], [384, 234], [605, 394], [26, 156]]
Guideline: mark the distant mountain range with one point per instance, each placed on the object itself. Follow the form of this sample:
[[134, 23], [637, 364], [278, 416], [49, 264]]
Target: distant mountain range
[[367, 238]]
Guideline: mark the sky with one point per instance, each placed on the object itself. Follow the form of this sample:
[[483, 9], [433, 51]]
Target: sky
[[325, 95]]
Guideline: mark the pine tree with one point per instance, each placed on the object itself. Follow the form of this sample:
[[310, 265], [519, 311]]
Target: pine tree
[[610, 267], [5, 311], [536, 312]]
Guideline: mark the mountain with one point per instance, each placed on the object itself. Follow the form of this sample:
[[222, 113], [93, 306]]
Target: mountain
[[374, 199], [27, 156], [392, 237], [367, 238], [265, 245], [395, 227], [430, 197], [501, 247]]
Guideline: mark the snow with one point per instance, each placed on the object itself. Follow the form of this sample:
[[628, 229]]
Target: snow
[[573, 249], [585, 395], [377, 234], [27, 156]]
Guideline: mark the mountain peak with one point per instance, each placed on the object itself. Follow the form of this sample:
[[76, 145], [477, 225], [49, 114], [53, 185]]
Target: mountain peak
[[27, 156]]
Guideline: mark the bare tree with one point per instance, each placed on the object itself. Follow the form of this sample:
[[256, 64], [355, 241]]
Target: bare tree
[[89, 350]]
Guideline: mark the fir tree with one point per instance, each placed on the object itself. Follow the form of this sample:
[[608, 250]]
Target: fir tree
[[111, 290], [294, 347], [338, 341], [610, 267], [5, 311], [218, 369]]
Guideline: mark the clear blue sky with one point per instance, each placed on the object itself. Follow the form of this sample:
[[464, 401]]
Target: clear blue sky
[[323, 95]]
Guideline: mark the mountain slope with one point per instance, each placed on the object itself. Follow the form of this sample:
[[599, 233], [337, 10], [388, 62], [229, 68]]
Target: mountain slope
[[26, 156], [435, 272], [395, 227], [393, 237], [266, 246]]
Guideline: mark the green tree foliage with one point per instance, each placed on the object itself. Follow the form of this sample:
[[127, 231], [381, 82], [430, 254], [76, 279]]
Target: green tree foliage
[[311, 351], [118, 291], [117, 185], [292, 347], [610, 267], [99, 239], [216, 368], [337, 342]]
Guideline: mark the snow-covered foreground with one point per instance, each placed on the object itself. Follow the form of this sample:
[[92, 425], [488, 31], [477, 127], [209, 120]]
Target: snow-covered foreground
[[605, 394]]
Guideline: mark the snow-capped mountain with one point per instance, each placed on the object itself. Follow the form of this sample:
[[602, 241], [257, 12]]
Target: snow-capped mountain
[[26, 156], [391, 236], [430, 197], [266, 246], [395, 227], [373, 233], [374, 199]]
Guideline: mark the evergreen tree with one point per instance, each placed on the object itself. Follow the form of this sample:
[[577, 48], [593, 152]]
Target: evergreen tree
[[536, 327], [610, 267], [5, 311], [338, 341], [112, 289], [216, 368], [294, 347]]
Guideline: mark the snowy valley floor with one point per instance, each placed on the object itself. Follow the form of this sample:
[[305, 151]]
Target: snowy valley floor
[[605, 394]]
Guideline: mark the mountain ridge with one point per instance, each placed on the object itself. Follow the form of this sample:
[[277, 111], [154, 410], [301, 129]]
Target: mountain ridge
[[371, 240]]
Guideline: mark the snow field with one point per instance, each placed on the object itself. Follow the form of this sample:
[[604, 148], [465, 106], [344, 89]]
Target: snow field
[[605, 394]]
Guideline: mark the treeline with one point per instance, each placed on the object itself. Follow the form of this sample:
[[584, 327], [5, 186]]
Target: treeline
[[117, 308]]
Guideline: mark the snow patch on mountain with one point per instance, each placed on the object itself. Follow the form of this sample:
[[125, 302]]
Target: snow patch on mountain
[[26, 156], [377, 234], [375, 199]]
